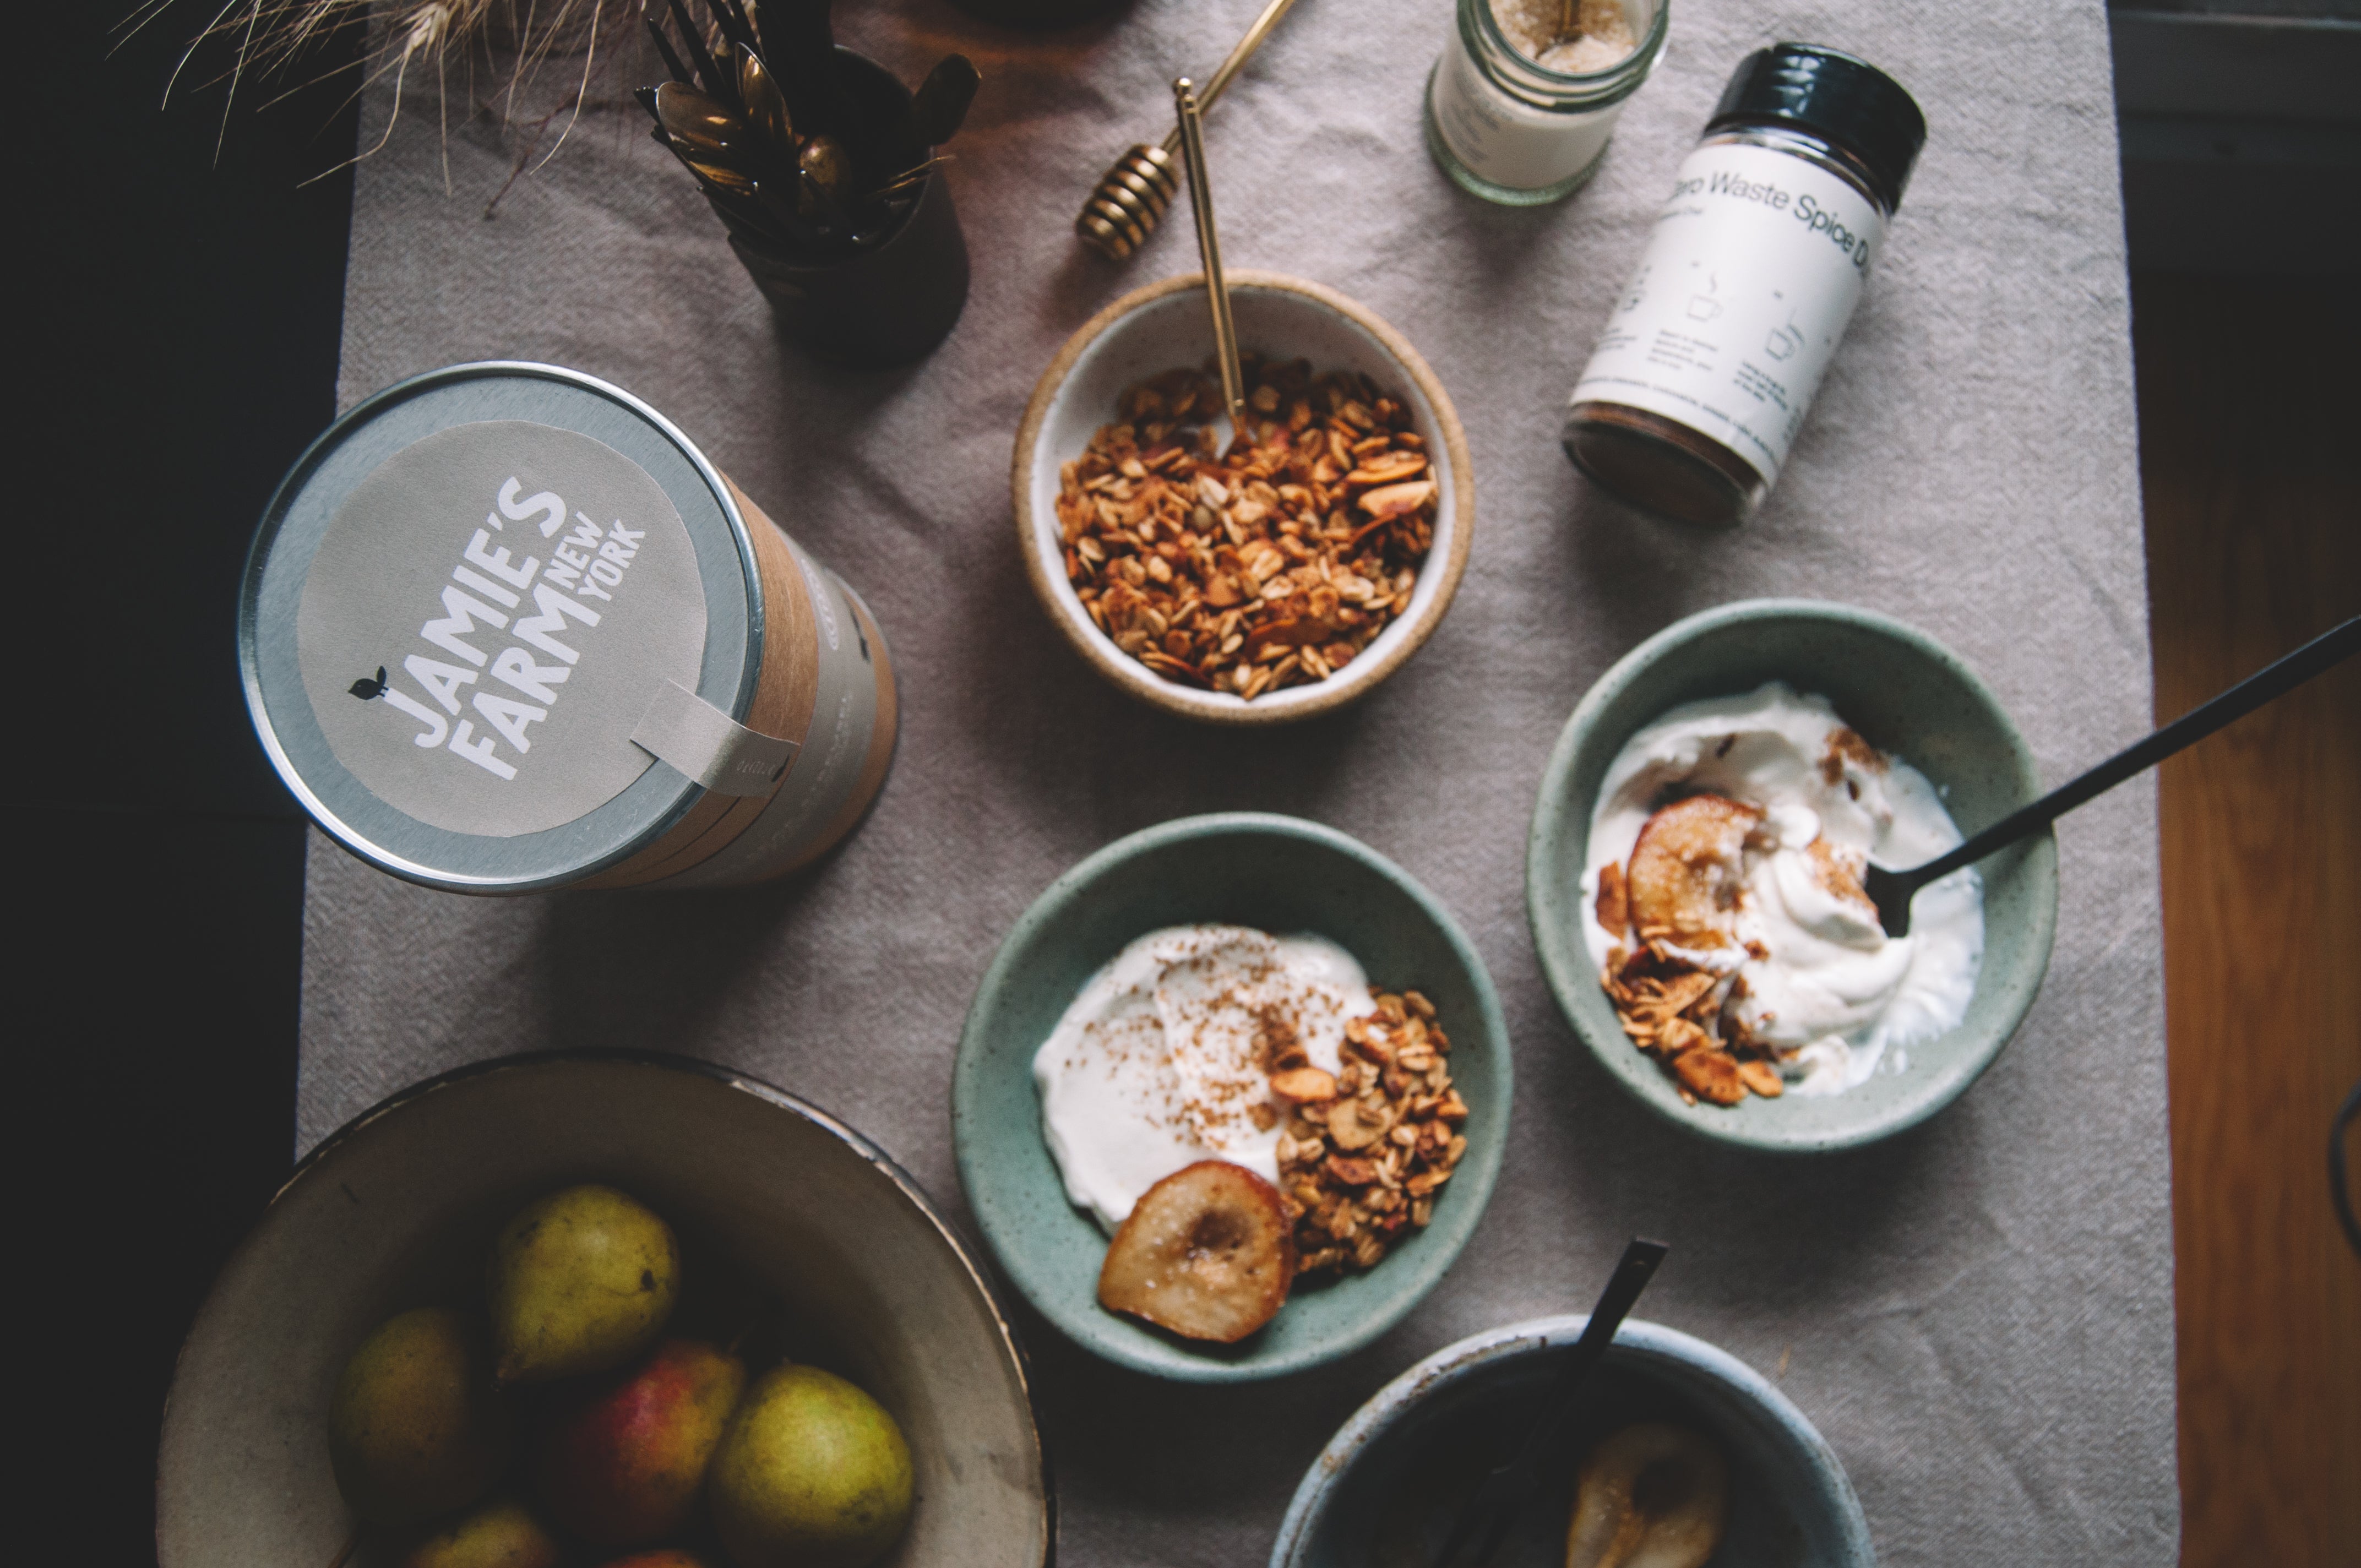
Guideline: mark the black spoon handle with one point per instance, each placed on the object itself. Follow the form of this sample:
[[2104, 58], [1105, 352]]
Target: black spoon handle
[[2269, 682], [1487, 1515]]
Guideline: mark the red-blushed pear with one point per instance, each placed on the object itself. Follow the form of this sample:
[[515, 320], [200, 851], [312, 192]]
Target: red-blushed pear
[[620, 1462]]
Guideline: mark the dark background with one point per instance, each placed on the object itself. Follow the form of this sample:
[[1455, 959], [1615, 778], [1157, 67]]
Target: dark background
[[175, 337], [175, 347]]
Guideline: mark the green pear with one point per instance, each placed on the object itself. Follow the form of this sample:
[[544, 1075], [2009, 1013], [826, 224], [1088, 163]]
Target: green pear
[[501, 1533], [580, 1281], [416, 1427], [812, 1474]]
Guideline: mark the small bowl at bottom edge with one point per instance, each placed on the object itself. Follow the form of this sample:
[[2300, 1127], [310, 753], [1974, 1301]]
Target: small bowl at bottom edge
[[1384, 1491]]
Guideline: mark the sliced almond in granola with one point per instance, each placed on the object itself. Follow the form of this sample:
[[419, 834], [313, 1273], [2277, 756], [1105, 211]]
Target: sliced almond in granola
[[1761, 1077], [1679, 1036], [1352, 1172], [1206, 1252], [1387, 467], [1397, 500], [1711, 1074], [1351, 1132], [1303, 1085], [1680, 992]]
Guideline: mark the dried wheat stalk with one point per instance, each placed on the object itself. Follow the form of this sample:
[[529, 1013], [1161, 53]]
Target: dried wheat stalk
[[513, 38]]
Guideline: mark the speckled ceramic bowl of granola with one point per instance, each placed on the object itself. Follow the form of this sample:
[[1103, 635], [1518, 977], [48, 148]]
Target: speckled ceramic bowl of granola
[[1165, 326], [1275, 873], [1384, 1492], [1911, 698]]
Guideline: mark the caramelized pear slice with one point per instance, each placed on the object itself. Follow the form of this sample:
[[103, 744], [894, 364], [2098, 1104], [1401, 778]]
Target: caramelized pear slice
[[1206, 1253], [1653, 1496], [1687, 868]]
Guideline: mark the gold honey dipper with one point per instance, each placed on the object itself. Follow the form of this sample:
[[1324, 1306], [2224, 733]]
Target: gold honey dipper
[[1133, 196]]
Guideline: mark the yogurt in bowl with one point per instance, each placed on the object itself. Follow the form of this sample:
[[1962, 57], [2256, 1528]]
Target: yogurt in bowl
[[1728, 840], [1906, 697], [1159, 1063]]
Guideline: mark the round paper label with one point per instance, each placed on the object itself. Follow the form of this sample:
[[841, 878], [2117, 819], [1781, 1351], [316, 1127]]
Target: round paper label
[[487, 615]]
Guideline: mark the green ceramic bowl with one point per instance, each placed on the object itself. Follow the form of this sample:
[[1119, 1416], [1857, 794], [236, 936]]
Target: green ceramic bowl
[[1907, 695], [1278, 873]]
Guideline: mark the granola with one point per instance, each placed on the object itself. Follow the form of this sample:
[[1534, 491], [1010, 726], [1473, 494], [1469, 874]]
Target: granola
[[1270, 564], [1365, 1152], [1674, 1009]]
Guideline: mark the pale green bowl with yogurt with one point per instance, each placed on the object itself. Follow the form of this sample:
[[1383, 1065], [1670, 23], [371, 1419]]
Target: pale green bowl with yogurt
[[1280, 875], [1910, 697]]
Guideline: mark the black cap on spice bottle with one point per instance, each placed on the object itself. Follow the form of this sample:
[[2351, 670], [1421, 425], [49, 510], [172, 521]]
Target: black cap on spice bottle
[[1840, 97]]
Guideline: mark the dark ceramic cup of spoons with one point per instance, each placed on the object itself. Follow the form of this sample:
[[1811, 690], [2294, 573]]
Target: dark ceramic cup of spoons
[[892, 300]]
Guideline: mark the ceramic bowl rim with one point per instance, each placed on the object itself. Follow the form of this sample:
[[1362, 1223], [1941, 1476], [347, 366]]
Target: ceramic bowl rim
[[693, 1067], [1476, 1174], [1464, 1358], [1363, 675], [1565, 960]]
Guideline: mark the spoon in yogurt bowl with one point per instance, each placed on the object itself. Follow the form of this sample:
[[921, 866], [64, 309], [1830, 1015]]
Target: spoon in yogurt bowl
[[1892, 891]]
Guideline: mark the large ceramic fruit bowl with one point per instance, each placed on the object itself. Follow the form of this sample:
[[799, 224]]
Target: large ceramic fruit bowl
[[398, 1209]]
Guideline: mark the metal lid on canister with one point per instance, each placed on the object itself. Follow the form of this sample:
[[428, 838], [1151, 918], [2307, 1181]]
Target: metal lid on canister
[[1836, 95], [463, 600]]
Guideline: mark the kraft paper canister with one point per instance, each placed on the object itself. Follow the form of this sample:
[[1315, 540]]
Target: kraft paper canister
[[505, 629]]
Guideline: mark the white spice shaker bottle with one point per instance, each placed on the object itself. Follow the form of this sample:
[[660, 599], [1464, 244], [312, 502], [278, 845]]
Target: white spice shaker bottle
[[504, 628], [1698, 386]]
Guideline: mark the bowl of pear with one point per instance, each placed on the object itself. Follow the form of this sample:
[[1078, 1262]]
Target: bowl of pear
[[1676, 1455], [600, 1309]]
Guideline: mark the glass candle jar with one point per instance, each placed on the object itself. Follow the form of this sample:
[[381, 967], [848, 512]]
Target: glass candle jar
[[1696, 390], [1510, 130]]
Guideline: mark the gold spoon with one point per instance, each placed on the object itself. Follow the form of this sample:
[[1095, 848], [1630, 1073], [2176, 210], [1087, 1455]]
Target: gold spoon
[[1191, 133], [764, 104], [697, 122], [826, 171]]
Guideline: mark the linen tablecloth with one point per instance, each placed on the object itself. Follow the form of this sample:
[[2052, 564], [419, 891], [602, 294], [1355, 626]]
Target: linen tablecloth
[[1978, 1314]]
